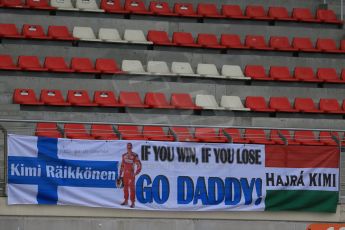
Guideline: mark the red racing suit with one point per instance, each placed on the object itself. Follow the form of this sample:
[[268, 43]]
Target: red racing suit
[[130, 167]]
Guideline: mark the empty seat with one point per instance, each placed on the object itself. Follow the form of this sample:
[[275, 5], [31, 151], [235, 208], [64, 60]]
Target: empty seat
[[327, 16], [159, 38], [257, 12], [233, 11], [208, 11], [303, 15], [60, 33], [9, 31], [209, 41], [131, 99], [161, 9], [57, 64], [6, 63], [208, 70], [83, 65], [183, 134], [103, 132], [282, 137], [183, 69], [34, 31], [39, 4], [305, 74], [25, 97], [281, 43], [327, 45], [106, 99], [306, 105], [256, 42], [130, 132], [235, 135], [107, 66], [329, 138], [184, 39], [207, 102], [183, 101], [281, 104], [88, 5], [306, 137], [76, 131], [135, 36], [30, 63], [257, 136], [210, 135], [158, 68], [156, 133], [63, 5], [232, 41], [85, 34], [113, 6], [304, 44], [279, 13], [328, 75], [13, 4], [157, 100], [233, 72], [79, 98], [53, 97], [232, 103], [185, 10], [133, 67], [281, 73], [257, 104], [330, 105], [47, 130], [110, 35], [136, 7], [256, 72]]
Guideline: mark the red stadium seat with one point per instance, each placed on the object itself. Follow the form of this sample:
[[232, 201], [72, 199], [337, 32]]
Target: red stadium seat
[[281, 73], [256, 72], [183, 134], [257, 136], [342, 75], [113, 6], [257, 104], [235, 136], [6, 63], [57, 64], [257, 12], [13, 4], [281, 43], [208, 11], [53, 97], [306, 105], [329, 138], [107, 66], [76, 131], [106, 99], [327, 16], [25, 97], [282, 137], [306, 137], [157, 100], [327, 45], [159, 38], [47, 130], [232, 41], [103, 132], [256, 42], [303, 15], [305, 74], [130, 132], [79, 98], [34, 31], [330, 105], [60, 33], [83, 65], [233, 12], [9, 31], [39, 4], [184, 39], [210, 135], [328, 75], [136, 7], [156, 133], [161, 9], [131, 99], [281, 104], [183, 101], [304, 44], [185, 10], [209, 41], [30, 63], [279, 13]]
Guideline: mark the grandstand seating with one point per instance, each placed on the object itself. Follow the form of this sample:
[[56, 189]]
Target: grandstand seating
[[103, 132], [156, 133], [47, 130], [77, 131]]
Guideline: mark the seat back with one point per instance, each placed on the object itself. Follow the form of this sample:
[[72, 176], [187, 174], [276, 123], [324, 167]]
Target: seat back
[[8, 30], [280, 72], [184, 9], [255, 102], [160, 67], [232, 71], [231, 102], [183, 38], [302, 13], [205, 9], [55, 63], [255, 71], [134, 36], [59, 32], [304, 104], [206, 101], [104, 97], [109, 34], [83, 32], [302, 43], [305, 73], [326, 44], [329, 104], [132, 66], [255, 11], [130, 98], [232, 10], [182, 100], [135, 6], [327, 74], [207, 69], [230, 40], [61, 3], [87, 4], [278, 12], [181, 68], [156, 36], [279, 42], [255, 41], [279, 103], [159, 7], [207, 39], [156, 99], [24, 96], [29, 62], [51, 96], [78, 97]]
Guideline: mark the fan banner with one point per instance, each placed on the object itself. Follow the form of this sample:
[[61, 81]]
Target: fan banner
[[172, 176]]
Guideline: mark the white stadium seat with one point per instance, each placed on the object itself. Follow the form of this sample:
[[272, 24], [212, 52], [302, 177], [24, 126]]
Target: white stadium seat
[[208, 70], [207, 102], [183, 69], [88, 5], [63, 5], [158, 68], [133, 67], [234, 72], [110, 35], [84, 33], [232, 103], [135, 36]]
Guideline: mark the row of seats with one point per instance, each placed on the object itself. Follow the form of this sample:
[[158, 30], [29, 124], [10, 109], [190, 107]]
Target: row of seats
[[210, 135], [181, 39], [177, 101], [204, 10]]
